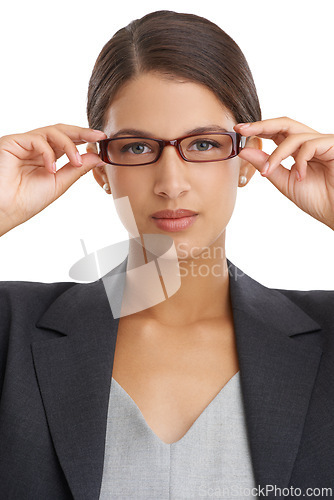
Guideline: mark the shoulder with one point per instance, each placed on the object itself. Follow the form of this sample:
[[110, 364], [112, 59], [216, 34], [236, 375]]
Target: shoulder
[[21, 305], [279, 303], [23, 302], [29, 295], [317, 303]]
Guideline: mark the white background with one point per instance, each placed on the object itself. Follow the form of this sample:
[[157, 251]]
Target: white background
[[47, 54]]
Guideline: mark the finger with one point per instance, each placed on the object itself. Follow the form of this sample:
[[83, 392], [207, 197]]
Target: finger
[[67, 175], [289, 147], [63, 143], [49, 157], [269, 129], [281, 177], [321, 148], [324, 149], [24, 146], [79, 135]]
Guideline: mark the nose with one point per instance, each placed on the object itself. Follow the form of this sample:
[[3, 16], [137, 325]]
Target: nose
[[172, 173]]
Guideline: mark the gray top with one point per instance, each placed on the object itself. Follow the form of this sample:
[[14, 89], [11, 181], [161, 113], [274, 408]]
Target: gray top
[[212, 460]]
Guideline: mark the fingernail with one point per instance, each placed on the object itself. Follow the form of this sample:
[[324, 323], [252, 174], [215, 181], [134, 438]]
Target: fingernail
[[54, 168], [244, 125], [265, 168], [298, 175], [79, 158]]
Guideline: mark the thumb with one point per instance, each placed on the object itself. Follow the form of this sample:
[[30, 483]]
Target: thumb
[[69, 174], [279, 177]]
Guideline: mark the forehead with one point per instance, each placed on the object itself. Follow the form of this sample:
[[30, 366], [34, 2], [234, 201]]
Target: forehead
[[165, 107]]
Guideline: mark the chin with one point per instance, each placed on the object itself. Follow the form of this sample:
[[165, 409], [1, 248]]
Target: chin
[[187, 250]]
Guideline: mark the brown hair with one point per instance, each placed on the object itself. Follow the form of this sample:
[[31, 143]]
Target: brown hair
[[179, 46]]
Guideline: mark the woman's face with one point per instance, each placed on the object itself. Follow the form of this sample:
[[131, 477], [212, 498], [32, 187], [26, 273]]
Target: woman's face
[[168, 109]]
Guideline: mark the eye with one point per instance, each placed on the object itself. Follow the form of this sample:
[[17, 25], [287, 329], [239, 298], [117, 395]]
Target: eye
[[204, 145], [136, 148]]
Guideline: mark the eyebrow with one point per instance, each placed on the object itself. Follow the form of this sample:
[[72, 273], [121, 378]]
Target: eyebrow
[[144, 133]]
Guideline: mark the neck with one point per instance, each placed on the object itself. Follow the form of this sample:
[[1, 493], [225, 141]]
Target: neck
[[204, 290]]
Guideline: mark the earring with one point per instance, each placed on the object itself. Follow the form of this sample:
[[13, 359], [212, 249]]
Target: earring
[[106, 187], [242, 179]]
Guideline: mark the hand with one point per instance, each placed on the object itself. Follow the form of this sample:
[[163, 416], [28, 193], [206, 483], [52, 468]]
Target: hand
[[28, 182], [313, 153]]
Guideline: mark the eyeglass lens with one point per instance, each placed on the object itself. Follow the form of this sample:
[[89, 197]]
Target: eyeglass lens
[[135, 151]]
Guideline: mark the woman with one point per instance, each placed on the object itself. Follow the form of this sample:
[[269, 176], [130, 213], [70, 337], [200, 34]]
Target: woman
[[222, 388]]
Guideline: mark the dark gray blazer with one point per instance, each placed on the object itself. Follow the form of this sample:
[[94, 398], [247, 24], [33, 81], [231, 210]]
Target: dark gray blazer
[[57, 343]]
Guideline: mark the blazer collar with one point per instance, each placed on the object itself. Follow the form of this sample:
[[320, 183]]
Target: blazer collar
[[278, 366]]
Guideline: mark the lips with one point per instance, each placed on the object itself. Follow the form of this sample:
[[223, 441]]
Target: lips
[[173, 214]]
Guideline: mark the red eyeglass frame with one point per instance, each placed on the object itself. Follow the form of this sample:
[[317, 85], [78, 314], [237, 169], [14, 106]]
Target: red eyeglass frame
[[238, 143]]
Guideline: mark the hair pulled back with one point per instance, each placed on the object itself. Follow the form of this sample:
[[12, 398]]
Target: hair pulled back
[[177, 45]]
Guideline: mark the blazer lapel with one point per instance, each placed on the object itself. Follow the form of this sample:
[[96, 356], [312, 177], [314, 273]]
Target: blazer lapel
[[279, 360], [74, 375], [278, 367]]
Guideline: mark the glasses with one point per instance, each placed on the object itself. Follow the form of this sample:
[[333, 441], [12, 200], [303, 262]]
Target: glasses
[[133, 151]]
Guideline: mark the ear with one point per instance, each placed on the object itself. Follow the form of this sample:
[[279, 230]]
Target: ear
[[91, 147], [99, 173], [246, 168]]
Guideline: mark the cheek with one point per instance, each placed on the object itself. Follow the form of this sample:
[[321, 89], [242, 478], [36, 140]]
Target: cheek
[[219, 186], [213, 190], [123, 182], [218, 194], [128, 191], [114, 175]]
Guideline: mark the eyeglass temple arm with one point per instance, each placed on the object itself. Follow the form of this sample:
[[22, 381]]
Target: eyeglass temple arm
[[242, 142]]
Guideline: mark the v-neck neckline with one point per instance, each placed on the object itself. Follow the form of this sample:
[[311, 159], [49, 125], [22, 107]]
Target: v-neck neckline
[[200, 416]]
